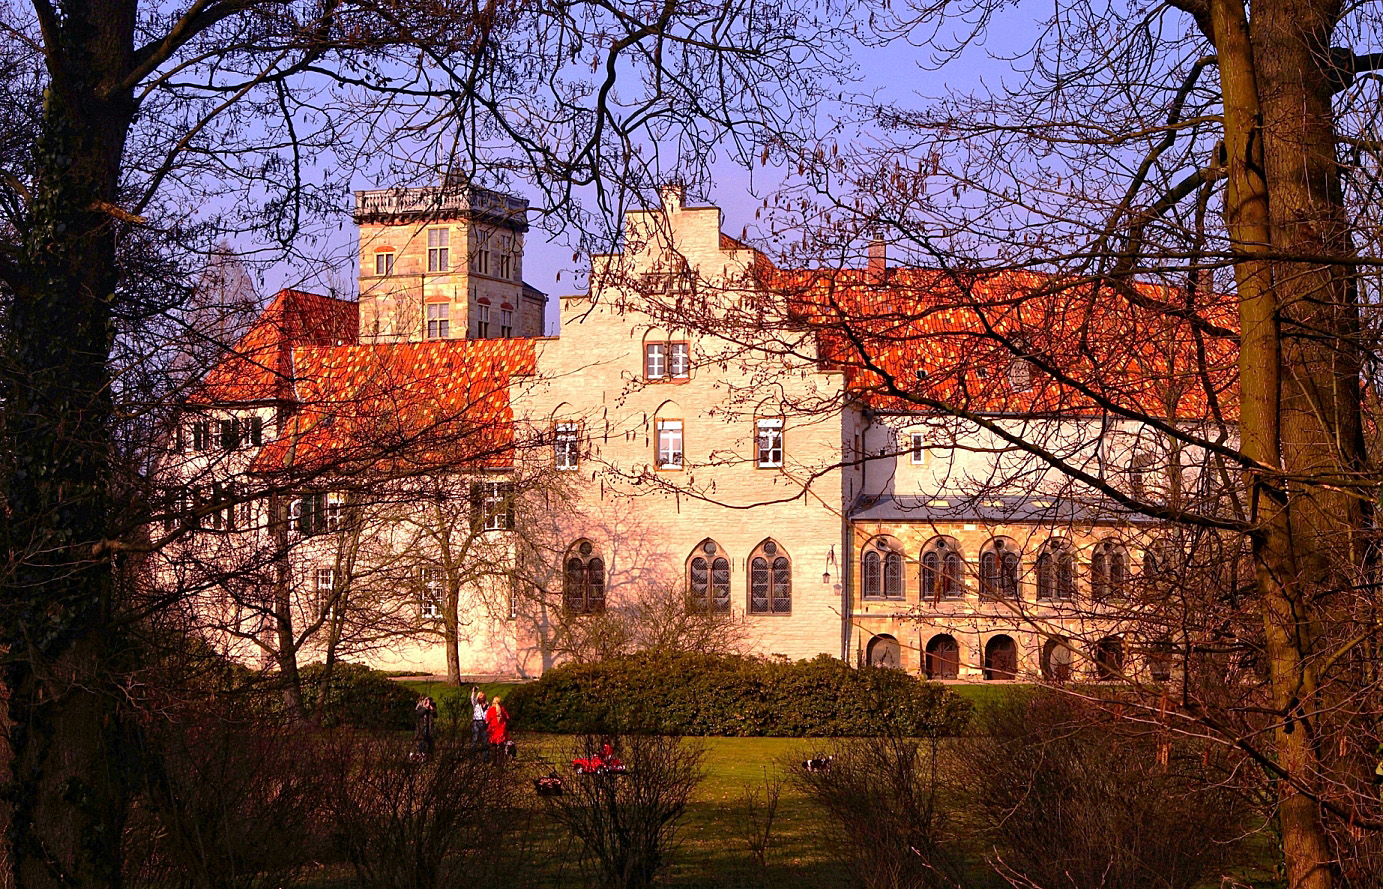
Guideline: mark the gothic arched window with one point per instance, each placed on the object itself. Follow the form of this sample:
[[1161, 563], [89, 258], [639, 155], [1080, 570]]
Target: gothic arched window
[[999, 569], [770, 580], [941, 570], [708, 579], [1108, 571], [583, 579], [1056, 571], [881, 570]]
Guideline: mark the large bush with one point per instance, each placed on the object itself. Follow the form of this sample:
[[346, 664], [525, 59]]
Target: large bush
[[698, 694], [358, 696]]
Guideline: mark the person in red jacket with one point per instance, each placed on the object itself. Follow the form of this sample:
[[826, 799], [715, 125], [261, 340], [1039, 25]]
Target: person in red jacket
[[497, 727]]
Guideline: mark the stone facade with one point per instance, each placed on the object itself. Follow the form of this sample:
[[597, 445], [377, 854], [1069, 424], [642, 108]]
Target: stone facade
[[685, 463]]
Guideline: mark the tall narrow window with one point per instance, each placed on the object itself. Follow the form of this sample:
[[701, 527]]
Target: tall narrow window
[[583, 579], [999, 569], [480, 262], [1108, 571], [917, 447], [326, 587], [256, 424], [482, 324], [384, 263], [201, 435], [438, 249], [497, 506], [770, 436], [506, 323], [433, 596], [230, 434], [678, 361], [506, 266], [655, 361], [941, 570], [1056, 572], [566, 446], [669, 453], [334, 517], [438, 321], [708, 580], [770, 580]]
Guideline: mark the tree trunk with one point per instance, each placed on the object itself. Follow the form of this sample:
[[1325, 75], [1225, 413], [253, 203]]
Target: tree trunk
[[63, 655], [451, 629], [1299, 370], [285, 647]]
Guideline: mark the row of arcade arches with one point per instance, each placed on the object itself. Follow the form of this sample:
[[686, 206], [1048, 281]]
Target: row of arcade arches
[[941, 657]]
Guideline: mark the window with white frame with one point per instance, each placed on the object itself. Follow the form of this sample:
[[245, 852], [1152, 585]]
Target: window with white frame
[[655, 361], [566, 446], [384, 263], [482, 324], [770, 442], [433, 593], [497, 506], [326, 588], [678, 361], [334, 517], [506, 322], [917, 448], [669, 453], [438, 321], [438, 249]]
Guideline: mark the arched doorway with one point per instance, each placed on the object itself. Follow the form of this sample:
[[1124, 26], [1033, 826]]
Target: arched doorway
[[943, 657], [1057, 660], [883, 651], [1109, 658], [1001, 658]]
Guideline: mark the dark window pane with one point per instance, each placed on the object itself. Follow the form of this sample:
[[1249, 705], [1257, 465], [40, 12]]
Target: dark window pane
[[871, 575], [595, 586], [758, 586], [699, 585], [893, 576], [782, 585], [720, 584]]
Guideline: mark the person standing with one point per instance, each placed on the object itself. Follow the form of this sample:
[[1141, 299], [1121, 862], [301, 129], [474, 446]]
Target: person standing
[[478, 730], [426, 710], [497, 726]]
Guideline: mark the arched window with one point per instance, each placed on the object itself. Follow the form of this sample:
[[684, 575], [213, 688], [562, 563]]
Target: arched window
[[881, 570], [770, 580], [943, 657], [583, 579], [941, 570], [1108, 571], [708, 579], [1057, 659], [1001, 658], [999, 569], [1056, 571], [884, 651], [1109, 658]]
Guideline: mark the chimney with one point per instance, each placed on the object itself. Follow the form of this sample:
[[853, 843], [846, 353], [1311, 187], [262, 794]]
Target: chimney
[[878, 262], [673, 195]]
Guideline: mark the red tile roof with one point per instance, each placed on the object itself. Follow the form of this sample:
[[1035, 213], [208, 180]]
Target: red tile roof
[[925, 338], [259, 368], [401, 407]]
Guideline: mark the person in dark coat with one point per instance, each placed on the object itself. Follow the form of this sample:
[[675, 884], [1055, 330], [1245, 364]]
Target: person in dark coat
[[426, 710]]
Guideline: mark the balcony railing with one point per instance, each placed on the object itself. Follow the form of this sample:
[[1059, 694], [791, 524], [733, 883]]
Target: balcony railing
[[441, 201]]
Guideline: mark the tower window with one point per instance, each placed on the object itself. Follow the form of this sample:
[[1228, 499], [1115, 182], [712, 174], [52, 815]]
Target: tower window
[[438, 249], [384, 263], [438, 321]]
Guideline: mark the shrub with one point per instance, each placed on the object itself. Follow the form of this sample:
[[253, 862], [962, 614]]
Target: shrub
[[884, 817], [227, 801], [735, 696], [409, 824], [358, 696], [1068, 795], [627, 823]]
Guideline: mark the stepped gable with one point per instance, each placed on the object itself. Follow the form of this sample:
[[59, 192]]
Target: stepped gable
[[260, 367], [401, 407], [947, 338]]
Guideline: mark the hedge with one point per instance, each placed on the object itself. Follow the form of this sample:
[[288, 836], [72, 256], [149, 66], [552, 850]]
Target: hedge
[[360, 697], [694, 694]]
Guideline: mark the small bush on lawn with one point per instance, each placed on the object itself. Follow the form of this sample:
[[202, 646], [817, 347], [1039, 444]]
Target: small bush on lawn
[[699, 694], [358, 696]]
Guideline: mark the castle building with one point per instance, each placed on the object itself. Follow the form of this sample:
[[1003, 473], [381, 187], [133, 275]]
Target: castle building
[[764, 447]]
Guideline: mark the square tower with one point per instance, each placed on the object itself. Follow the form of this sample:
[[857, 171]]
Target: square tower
[[444, 262]]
